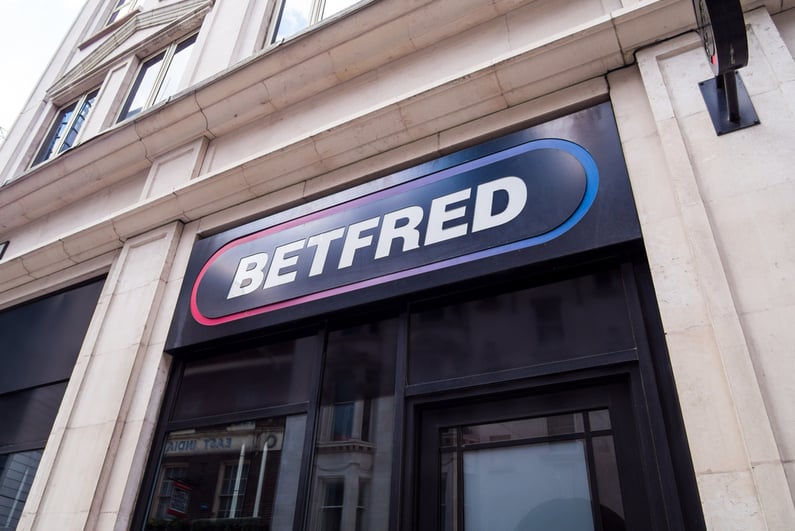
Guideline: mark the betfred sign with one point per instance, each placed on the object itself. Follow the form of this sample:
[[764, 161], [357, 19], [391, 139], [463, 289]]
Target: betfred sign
[[522, 196], [445, 220]]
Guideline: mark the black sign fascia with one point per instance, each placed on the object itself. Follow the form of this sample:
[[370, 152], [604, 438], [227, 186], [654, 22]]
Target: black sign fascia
[[543, 193]]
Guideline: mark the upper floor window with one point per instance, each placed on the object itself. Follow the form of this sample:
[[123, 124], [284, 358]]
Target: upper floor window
[[120, 8], [298, 14], [158, 78], [65, 130]]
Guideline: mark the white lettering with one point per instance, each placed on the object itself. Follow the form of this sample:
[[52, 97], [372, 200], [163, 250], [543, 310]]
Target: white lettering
[[322, 243], [484, 202], [354, 241], [249, 275], [439, 214], [281, 261], [408, 232]]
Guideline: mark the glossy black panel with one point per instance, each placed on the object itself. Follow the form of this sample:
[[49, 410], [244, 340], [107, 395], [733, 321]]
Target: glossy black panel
[[27, 416], [41, 339], [250, 379], [574, 318], [360, 363], [605, 216]]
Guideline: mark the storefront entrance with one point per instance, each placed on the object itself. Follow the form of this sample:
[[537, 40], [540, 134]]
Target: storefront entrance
[[550, 459]]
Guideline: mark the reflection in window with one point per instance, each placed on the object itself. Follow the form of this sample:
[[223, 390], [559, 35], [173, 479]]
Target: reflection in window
[[66, 129], [299, 14], [353, 458], [333, 499], [555, 472], [233, 474], [158, 78], [16, 477], [539, 325]]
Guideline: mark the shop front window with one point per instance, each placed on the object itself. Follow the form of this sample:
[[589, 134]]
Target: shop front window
[[224, 475], [356, 426]]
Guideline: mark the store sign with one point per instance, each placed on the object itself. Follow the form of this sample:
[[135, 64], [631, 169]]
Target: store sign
[[519, 197], [221, 443], [549, 191]]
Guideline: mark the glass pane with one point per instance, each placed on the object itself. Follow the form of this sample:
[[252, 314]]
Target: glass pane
[[296, 15], [527, 488], [353, 459], [28, 415], [522, 429], [612, 507], [16, 476], [227, 476], [56, 133], [565, 320], [77, 123], [599, 420], [250, 379], [335, 6], [175, 70], [143, 87]]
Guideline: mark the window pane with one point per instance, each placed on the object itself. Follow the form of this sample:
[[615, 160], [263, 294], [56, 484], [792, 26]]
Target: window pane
[[16, 476], [175, 70], [355, 430], [333, 7], [258, 377], [528, 488], [79, 120], [565, 320], [56, 133], [237, 472], [143, 87], [296, 15]]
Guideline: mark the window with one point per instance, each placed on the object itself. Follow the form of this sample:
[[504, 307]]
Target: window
[[158, 78], [121, 8], [299, 14], [331, 510], [65, 130], [41, 340], [232, 491]]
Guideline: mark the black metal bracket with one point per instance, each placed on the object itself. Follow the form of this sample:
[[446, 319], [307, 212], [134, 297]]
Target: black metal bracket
[[728, 103]]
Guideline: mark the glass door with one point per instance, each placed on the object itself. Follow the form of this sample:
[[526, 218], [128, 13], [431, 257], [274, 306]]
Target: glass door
[[562, 461]]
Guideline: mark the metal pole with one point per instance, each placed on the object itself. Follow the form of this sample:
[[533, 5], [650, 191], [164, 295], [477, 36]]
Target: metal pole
[[732, 101], [236, 492], [261, 478]]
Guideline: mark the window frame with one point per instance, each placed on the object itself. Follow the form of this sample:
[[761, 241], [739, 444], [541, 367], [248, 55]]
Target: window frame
[[52, 144], [315, 17], [166, 56], [120, 10]]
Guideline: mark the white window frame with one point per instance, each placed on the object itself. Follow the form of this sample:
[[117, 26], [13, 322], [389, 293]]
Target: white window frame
[[315, 16], [119, 10], [58, 146], [163, 70]]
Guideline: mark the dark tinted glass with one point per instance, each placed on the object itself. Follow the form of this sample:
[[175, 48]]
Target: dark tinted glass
[[27, 416], [41, 339], [353, 459], [254, 378], [574, 318], [55, 134]]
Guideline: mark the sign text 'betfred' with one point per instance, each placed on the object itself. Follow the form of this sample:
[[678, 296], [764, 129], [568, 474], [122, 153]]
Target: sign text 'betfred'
[[519, 197], [395, 232]]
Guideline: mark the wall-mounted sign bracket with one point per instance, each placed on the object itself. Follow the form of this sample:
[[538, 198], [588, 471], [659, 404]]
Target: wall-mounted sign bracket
[[728, 103], [721, 26]]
